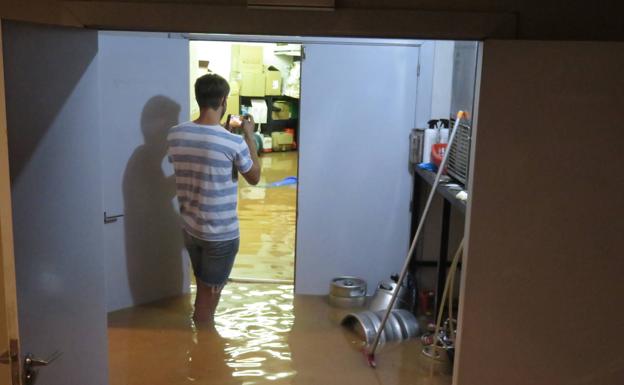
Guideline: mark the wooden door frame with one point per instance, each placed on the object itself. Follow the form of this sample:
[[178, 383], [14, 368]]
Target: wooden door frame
[[7, 255]]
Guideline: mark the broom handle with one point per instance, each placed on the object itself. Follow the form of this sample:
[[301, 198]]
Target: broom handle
[[423, 217]]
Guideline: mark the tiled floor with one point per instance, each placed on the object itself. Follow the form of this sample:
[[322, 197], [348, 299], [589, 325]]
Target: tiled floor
[[265, 335], [267, 221]]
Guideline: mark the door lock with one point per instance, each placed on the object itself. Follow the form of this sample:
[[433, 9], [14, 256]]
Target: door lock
[[31, 365]]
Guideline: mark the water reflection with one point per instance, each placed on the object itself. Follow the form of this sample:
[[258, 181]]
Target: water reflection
[[255, 321], [263, 335], [206, 359], [267, 222]]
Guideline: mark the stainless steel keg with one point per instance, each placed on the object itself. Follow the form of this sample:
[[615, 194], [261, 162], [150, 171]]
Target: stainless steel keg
[[347, 292], [383, 294], [402, 325]]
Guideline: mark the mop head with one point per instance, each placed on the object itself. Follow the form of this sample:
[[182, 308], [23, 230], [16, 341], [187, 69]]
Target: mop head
[[370, 359]]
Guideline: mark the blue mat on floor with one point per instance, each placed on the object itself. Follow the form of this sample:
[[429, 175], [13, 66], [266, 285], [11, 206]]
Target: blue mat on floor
[[288, 181]]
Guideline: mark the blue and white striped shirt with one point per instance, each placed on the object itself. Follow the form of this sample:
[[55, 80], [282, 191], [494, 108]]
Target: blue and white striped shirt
[[205, 160]]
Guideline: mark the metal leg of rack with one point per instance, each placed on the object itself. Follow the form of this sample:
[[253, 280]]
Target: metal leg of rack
[[442, 260]]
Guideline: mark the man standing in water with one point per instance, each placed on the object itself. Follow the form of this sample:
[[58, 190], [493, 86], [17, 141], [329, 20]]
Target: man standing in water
[[207, 158]]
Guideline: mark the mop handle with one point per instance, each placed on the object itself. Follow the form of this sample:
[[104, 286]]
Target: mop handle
[[460, 115]]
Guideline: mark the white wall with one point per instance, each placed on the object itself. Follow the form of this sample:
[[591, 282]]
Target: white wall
[[425, 84], [442, 79], [435, 81]]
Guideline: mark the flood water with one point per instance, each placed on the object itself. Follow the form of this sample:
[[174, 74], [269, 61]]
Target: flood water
[[264, 335], [267, 214]]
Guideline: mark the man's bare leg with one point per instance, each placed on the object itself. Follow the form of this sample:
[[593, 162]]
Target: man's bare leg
[[206, 302]]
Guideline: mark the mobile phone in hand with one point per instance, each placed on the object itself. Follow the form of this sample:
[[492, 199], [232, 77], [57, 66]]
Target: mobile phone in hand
[[235, 121]]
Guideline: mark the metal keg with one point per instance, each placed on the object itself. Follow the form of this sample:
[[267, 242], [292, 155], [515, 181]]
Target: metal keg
[[401, 325], [409, 324], [347, 302], [347, 292], [383, 295]]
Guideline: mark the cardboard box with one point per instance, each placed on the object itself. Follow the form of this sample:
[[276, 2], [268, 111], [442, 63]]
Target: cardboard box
[[284, 110], [273, 81], [245, 55], [282, 141], [251, 83], [249, 67], [234, 87], [233, 106]]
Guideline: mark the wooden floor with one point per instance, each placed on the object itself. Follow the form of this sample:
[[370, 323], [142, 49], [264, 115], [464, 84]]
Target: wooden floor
[[264, 335], [267, 221]]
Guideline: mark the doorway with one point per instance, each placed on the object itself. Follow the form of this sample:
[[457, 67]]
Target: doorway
[[354, 195], [264, 82]]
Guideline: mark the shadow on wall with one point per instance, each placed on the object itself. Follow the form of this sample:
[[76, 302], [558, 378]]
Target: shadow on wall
[[153, 235], [29, 90]]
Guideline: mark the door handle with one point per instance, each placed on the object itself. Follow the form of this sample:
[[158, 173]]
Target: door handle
[[34, 362], [111, 218], [31, 364]]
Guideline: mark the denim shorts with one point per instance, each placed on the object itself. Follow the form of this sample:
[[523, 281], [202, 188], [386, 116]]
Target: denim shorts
[[212, 260]]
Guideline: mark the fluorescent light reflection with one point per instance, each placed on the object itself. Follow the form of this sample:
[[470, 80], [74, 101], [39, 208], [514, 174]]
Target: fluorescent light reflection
[[255, 321]]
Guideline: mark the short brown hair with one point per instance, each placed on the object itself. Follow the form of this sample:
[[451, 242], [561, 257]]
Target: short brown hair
[[210, 90]]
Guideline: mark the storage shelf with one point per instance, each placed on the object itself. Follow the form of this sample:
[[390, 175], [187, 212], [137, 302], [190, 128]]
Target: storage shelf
[[446, 192], [278, 124], [450, 200]]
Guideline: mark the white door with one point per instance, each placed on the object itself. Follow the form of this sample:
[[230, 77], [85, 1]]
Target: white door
[[52, 107], [144, 81], [358, 105]]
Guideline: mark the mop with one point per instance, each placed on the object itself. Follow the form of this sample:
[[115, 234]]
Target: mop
[[370, 353]]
